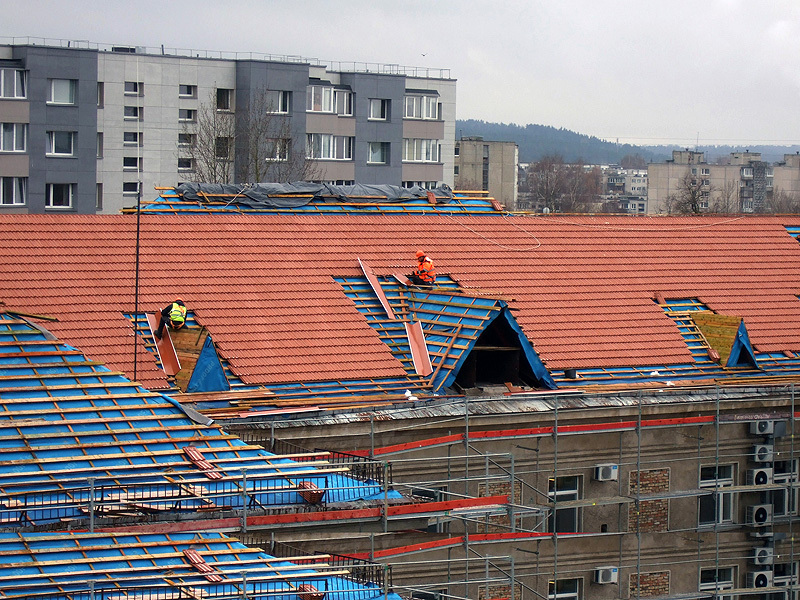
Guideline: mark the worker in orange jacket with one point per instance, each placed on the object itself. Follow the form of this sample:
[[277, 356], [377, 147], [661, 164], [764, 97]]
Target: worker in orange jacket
[[425, 274]]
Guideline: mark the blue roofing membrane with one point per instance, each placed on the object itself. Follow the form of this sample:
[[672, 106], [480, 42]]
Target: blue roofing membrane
[[179, 565], [75, 437]]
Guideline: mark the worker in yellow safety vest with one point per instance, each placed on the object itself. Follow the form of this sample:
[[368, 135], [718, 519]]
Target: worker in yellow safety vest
[[174, 315], [425, 274]]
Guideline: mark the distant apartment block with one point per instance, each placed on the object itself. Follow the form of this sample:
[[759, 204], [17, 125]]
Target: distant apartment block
[[745, 183], [628, 187], [488, 166], [83, 125]]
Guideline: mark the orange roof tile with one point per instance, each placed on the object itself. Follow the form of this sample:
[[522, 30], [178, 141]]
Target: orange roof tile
[[263, 284]]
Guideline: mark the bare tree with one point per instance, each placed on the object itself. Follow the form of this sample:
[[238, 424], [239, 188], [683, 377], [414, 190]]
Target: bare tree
[[581, 188], [633, 161], [689, 196], [782, 202], [546, 181], [266, 149], [725, 199], [563, 187], [209, 142]]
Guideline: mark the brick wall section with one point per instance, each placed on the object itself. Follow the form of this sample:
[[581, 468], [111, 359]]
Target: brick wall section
[[498, 590], [500, 523], [653, 584], [653, 514]]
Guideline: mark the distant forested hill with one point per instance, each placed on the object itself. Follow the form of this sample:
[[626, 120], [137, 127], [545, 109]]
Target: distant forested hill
[[536, 141]]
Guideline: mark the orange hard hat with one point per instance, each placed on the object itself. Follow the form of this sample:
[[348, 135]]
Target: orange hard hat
[[420, 253]]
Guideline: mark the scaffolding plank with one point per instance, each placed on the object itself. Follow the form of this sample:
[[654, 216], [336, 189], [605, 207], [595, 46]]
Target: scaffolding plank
[[164, 347]]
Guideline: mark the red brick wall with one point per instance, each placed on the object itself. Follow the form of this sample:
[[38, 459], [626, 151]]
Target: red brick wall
[[653, 584], [653, 515]]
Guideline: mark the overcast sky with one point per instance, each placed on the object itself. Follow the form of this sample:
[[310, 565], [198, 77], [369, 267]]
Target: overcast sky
[[668, 71]]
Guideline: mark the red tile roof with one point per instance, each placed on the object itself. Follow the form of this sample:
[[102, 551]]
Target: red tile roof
[[263, 284]]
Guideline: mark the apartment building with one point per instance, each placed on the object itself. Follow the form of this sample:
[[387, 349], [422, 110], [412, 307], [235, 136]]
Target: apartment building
[[743, 183], [627, 186], [488, 166], [84, 125]]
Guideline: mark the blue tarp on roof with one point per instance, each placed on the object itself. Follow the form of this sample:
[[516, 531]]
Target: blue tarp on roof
[[208, 374]]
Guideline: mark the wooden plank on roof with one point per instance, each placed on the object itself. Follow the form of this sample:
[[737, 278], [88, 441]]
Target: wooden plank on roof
[[376, 287], [419, 349], [166, 351]]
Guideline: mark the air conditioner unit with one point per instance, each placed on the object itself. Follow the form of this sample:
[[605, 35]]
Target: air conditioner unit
[[606, 472], [762, 427], [759, 515], [759, 579], [763, 555], [763, 453], [606, 574], [762, 476]]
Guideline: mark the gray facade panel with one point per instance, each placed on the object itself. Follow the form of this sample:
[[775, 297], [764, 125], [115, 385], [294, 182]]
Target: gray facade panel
[[44, 64]]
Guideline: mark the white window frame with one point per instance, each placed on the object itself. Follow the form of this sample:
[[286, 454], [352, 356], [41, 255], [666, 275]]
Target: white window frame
[[13, 84], [786, 504], [276, 150], [421, 107], [379, 109], [319, 98], [277, 102], [132, 138], [343, 101], [56, 91], [99, 144], [14, 137], [720, 584], [186, 142], [188, 164], [133, 88], [131, 163], [187, 90], [13, 191], [421, 150], [724, 502], [187, 115], [325, 146], [564, 493], [553, 592], [129, 192], [50, 195], [54, 143], [227, 105], [379, 153], [133, 113]]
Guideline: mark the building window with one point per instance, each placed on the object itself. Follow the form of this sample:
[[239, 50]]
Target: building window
[[99, 144], [187, 91], [59, 195], [419, 150], [718, 506], [222, 148], [186, 139], [319, 99], [62, 91], [132, 138], [455, 170], [785, 574], [60, 143], [101, 94], [98, 201], [563, 489], [343, 100], [428, 185], [705, 171], [277, 102], [421, 107], [185, 164], [224, 99], [379, 109], [13, 191], [564, 589], [329, 147], [14, 138], [130, 188], [378, 153], [717, 579], [134, 88], [277, 150], [13, 83], [458, 150], [134, 113], [784, 501], [131, 163], [188, 115]]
